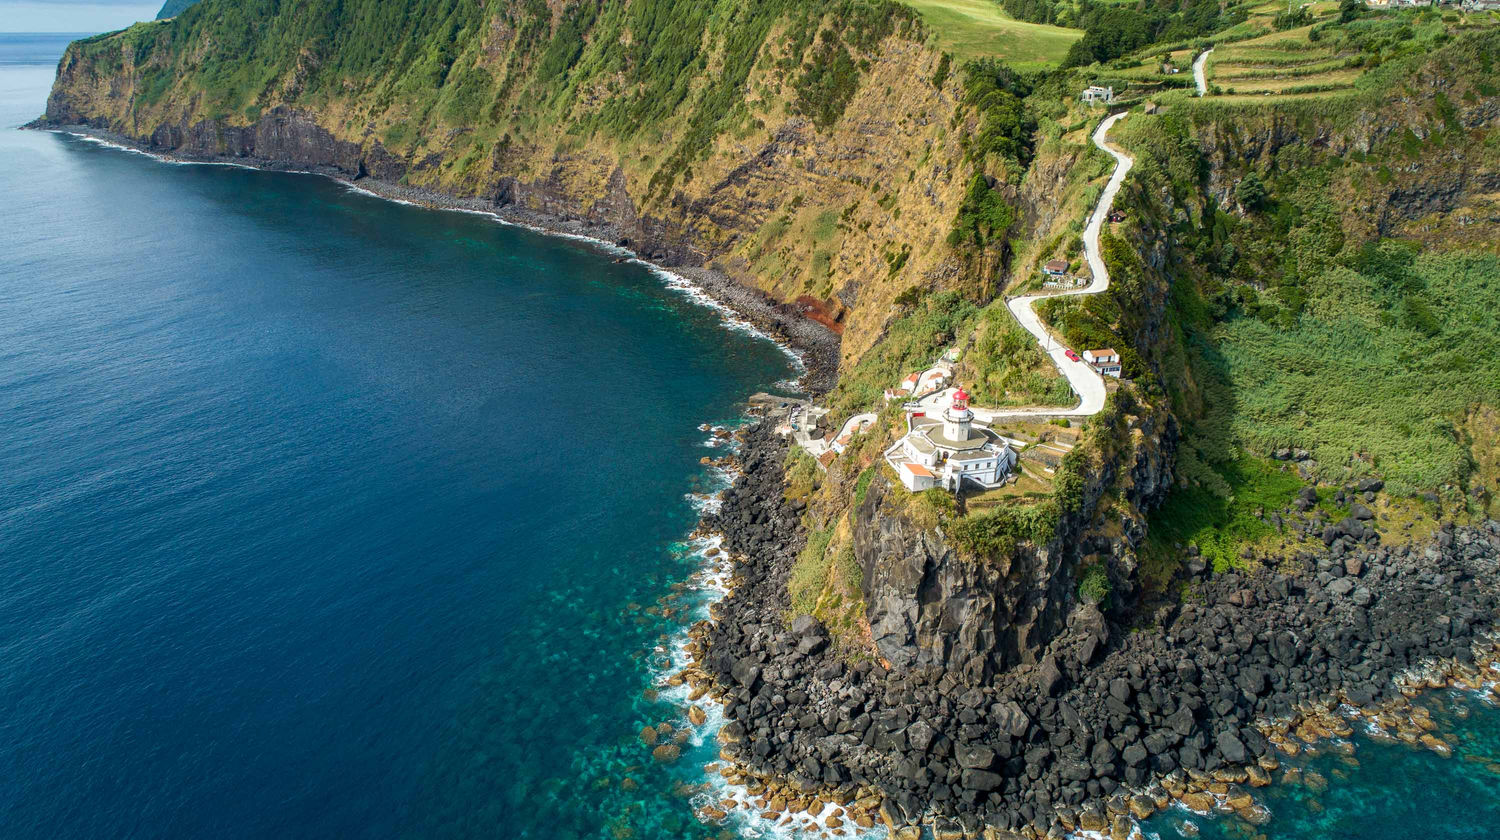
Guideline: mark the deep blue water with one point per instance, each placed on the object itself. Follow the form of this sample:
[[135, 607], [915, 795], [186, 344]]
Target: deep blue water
[[322, 516]]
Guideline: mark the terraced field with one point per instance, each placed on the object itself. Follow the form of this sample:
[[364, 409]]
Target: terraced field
[[979, 29], [1327, 56], [1281, 62]]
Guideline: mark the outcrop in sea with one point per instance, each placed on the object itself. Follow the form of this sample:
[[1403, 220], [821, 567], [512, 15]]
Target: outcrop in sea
[[1200, 698]]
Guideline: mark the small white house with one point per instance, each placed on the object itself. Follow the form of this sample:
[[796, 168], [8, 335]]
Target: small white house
[[916, 477], [1105, 360], [909, 384], [1095, 93], [933, 380]]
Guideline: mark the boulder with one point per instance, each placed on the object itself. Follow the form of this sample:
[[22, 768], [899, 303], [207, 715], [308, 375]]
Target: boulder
[[975, 779], [1232, 748], [1049, 678], [975, 757], [667, 753]]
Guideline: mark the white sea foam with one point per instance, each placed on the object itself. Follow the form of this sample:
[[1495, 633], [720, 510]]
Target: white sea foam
[[159, 158], [352, 187], [731, 318], [711, 583]]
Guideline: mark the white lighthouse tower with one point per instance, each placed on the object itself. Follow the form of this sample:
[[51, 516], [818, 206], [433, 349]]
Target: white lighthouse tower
[[957, 417]]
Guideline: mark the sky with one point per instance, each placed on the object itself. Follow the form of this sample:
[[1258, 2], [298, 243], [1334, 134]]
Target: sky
[[73, 15]]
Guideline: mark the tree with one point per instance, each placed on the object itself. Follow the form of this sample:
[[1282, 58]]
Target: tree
[[1350, 9], [1251, 192]]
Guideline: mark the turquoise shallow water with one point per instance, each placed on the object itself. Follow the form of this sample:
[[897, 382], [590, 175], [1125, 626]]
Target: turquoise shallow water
[[323, 516], [1384, 791]]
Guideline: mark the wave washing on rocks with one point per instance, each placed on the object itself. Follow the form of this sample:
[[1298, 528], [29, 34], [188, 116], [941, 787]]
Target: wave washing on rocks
[[1109, 726], [727, 797]]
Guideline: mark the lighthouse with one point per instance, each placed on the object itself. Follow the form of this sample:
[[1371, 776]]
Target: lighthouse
[[957, 417]]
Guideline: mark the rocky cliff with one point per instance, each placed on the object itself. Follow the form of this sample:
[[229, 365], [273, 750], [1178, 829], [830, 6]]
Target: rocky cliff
[[808, 150], [933, 606], [1176, 710]]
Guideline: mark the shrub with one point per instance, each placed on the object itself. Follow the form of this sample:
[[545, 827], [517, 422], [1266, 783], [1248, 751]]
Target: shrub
[[1093, 584], [996, 533], [862, 486]]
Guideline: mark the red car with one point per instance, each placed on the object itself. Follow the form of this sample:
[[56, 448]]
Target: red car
[[1070, 354]]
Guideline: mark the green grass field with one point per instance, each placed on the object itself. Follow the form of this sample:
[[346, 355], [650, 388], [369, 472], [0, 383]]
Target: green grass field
[[973, 29]]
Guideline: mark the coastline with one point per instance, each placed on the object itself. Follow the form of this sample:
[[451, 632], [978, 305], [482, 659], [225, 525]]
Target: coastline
[[1065, 746], [1320, 721], [815, 347]]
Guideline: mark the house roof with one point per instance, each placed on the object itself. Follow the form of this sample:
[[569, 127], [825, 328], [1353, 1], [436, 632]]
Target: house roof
[[981, 455], [917, 469], [1057, 265], [1107, 351]]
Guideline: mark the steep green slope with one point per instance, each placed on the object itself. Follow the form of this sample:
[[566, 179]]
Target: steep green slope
[[1336, 288], [819, 150], [173, 8]]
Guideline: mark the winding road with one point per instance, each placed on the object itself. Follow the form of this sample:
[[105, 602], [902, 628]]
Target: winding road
[[1200, 76], [1086, 382]]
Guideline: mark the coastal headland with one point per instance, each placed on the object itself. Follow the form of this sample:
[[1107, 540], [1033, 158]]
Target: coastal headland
[[1110, 723]]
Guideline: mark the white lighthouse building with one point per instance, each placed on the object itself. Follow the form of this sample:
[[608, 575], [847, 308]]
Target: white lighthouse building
[[947, 450]]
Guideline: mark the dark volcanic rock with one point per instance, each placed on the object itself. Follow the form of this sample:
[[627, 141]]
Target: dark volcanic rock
[[1014, 748]]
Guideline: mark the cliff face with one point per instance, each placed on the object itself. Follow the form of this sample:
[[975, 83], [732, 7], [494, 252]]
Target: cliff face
[[802, 149], [1412, 159], [931, 606]]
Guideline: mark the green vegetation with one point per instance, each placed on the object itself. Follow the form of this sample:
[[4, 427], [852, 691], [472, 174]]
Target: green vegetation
[[911, 343], [1107, 319], [1005, 141], [826, 583], [1392, 350], [996, 533], [862, 486], [1305, 53], [621, 70], [1219, 525], [980, 29], [1006, 367], [809, 573], [1094, 586], [983, 217], [1115, 29], [802, 473], [173, 8], [1298, 332]]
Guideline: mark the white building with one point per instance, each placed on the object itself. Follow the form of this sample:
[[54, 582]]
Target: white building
[[932, 380], [1106, 361], [948, 450], [1094, 93]]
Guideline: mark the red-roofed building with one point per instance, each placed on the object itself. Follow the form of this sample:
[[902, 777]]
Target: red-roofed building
[[1104, 360], [917, 477]]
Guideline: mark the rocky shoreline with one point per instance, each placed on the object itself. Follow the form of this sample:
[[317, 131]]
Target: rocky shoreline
[[816, 345], [1108, 724]]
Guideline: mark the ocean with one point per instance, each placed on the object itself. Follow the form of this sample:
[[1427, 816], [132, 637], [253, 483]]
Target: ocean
[[325, 516]]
